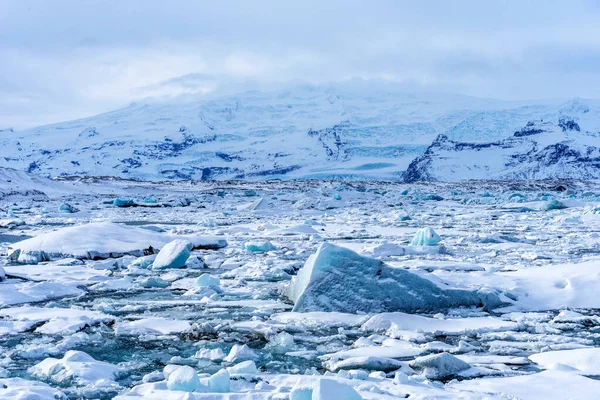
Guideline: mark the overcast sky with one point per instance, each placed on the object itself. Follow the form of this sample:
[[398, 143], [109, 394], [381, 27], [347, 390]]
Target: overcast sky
[[65, 59]]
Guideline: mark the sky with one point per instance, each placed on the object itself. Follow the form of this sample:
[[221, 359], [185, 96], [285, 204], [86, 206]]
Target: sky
[[67, 59]]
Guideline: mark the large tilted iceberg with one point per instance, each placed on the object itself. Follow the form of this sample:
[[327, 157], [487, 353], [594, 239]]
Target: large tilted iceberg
[[100, 240], [338, 279]]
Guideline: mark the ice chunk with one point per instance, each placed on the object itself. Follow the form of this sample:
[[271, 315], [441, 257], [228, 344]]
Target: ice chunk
[[24, 389], [99, 240], [152, 326], [173, 255], [219, 382], [153, 282], [259, 247], [184, 379], [79, 367], [123, 202], [338, 279], [302, 391], [2, 273], [400, 378], [433, 197], [211, 354], [439, 366], [53, 321], [370, 363], [426, 237], [207, 280], [240, 353], [245, 367], [67, 208], [283, 339], [328, 389], [552, 205]]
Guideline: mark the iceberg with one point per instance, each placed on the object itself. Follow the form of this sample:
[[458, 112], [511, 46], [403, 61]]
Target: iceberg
[[173, 255], [259, 247], [426, 237], [553, 205], [338, 279], [123, 202], [67, 208]]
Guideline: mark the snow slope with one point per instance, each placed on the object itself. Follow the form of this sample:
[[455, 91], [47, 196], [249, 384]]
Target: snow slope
[[352, 130]]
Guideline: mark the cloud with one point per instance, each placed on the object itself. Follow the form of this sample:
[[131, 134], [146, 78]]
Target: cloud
[[64, 59]]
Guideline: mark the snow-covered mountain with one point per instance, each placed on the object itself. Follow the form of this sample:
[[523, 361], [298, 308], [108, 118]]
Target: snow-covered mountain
[[350, 131], [565, 147]]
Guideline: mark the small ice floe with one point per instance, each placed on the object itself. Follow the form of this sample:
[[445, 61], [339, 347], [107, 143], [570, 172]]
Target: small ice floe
[[18, 389], [79, 368], [100, 240], [54, 321], [439, 366], [151, 326]]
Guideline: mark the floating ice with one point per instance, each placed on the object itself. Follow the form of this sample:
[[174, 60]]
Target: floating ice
[[23, 389], [67, 208], [241, 352], [183, 378], [439, 366], [245, 367], [219, 382], [426, 237], [173, 255], [586, 361], [99, 240], [328, 389], [370, 363], [123, 202], [552, 205], [153, 282], [338, 279], [259, 247], [155, 326], [207, 280], [78, 367], [53, 321], [396, 324], [211, 354]]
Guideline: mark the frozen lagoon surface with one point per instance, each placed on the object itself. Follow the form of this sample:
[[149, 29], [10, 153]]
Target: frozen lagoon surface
[[505, 306]]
